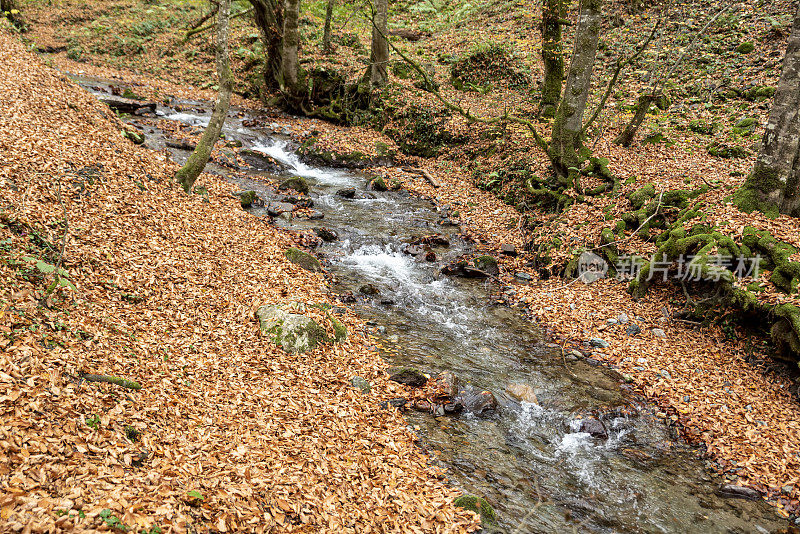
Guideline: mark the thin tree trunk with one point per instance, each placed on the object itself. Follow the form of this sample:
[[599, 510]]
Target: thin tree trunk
[[380, 47], [552, 54], [642, 107], [326, 34], [188, 174], [567, 145], [775, 178], [269, 19], [290, 45]]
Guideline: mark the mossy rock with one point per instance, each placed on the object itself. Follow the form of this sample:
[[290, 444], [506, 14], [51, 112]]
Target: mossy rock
[[641, 196], [378, 184], [479, 506], [303, 259], [487, 264], [761, 92], [745, 126], [702, 127], [724, 151], [297, 183], [246, 198], [134, 136], [408, 376], [294, 332], [745, 48]]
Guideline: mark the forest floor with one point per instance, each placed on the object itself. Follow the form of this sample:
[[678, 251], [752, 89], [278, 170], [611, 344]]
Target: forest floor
[[717, 382], [233, 434]]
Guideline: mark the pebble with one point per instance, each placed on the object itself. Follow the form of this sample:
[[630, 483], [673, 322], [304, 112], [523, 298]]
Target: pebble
[[658, 332], [611, 321], [523, 276], [665, 374], [576, 353], [643, 361], [622, 318], [632, 330]]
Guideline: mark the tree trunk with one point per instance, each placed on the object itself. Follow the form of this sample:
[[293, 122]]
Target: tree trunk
[[775, 178], [269, 19], [642, 107], [187, 174], [552, 54], [290, 46], [380, 46], [566, 148], [326, 34]]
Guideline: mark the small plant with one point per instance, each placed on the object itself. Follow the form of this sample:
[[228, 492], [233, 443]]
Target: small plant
[[112, 521], [132, 434], [61, 275], [93, 422]]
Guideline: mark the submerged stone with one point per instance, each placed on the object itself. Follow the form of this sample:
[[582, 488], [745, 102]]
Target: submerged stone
[[297, 183], [408, 376]]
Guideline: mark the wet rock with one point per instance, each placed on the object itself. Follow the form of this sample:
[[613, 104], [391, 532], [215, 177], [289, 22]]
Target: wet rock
[[395, 403], [326, 234], [300, 202], [658, 332], [507, 249], [597, 342], [473, 272], [377, 184], [525, 277], [134, 136], [487, 264], [595, 427], [349, 192], [246, 198], [455, 268], [434, 240], [430, 256], [522, 392], [732, 491], [413, 250], [369, 289], [297, 183], [274, 209], [360, 383], [316, 215], [180, 145], [422, 405], [479, 506], [348, 297], [447, 383], [292, 331], [475, 401], [127, 105], [303, 259], [408, 376], [453, 407], [632, 329]]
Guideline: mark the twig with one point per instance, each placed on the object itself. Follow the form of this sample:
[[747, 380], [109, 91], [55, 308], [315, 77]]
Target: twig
[[658, 207], [66, 229], [192, 33], [123, 382]]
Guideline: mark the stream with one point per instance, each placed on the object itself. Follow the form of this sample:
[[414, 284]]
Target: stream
[[530, 460]]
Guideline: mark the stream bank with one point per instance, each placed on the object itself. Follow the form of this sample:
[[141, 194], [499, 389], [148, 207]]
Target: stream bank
[[534, 461]]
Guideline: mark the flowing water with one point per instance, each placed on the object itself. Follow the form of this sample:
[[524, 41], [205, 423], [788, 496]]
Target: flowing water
[[530, 461]]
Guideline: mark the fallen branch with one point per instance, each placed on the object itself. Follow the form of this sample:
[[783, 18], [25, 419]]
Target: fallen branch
[[123, 382], [192, 33], [425, 174]]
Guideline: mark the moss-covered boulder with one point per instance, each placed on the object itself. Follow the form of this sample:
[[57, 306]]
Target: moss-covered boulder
[[303, 259], [378, 184], [479, 506], [297, 183], [487, 264], [722, 150], [134, 136], [746, 47], [292, 331], [246, 198], [408, 376]]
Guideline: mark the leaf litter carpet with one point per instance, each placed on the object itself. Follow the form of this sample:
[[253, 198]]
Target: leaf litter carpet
[[227, 433]]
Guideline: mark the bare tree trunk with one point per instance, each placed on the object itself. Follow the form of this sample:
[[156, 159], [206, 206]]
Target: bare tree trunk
[[642, 107], [290, 45], [567, 145], [326, 34], [188, 174], [775, 178], [269, 19], [380, 47], [552, 54]]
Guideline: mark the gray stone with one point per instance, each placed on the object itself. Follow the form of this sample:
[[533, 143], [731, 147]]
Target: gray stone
[[246, 198], [326, 234], [632, 329], [349, 192], [408, 376], [523, 276], [594, 427], [623, 318], [738, 492], [303, 259], [275, 209], [360, 383], [292, 331], [658, 332], [508, 249], [597, 342]]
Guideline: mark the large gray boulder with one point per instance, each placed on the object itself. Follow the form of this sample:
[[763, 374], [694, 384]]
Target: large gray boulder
[[292, 331]]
